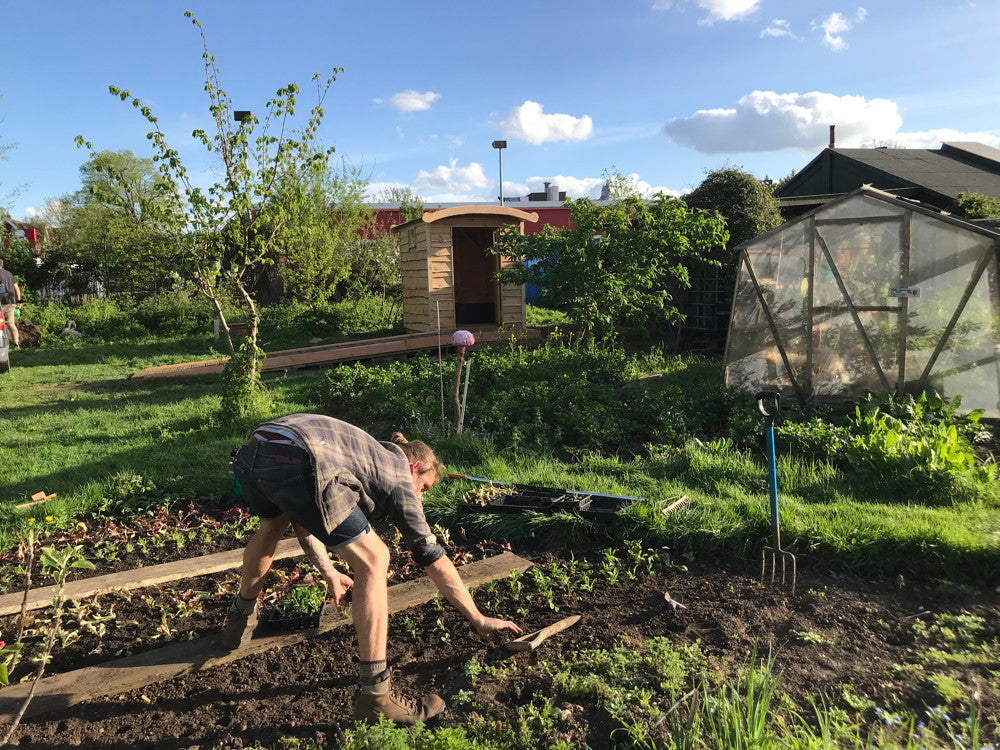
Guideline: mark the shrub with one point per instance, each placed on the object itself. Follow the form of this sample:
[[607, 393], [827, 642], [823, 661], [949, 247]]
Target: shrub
[[562, 397], [901, 440]]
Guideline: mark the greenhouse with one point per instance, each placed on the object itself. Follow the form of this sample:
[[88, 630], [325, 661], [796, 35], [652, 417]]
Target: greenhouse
[[869, 293]]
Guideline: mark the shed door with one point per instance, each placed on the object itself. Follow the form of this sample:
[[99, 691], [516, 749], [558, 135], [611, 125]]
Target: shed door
[[476, 291]]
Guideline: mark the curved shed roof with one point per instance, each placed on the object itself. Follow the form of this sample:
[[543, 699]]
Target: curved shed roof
[[461, 211]]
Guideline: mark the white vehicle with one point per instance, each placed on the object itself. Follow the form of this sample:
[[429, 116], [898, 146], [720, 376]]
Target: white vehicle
[[4, 346]]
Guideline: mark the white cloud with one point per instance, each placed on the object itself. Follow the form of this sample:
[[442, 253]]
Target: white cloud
[[934, 138], [835, 25], [452, 180], [779, 27], [528, 122], [30, 212], [726, 10], [768, 121], [718, 10], [590, 187], [410, 100]]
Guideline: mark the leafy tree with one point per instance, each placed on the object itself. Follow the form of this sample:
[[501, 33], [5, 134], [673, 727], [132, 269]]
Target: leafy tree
[[116, 228], [411, 205], [748, 205], [324, 215], [619, 261], [978, 206], [224, 234], [617, 186]]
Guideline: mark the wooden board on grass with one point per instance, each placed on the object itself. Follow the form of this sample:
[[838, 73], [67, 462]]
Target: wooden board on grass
[[137, 578], [314, 356], [133, 672]]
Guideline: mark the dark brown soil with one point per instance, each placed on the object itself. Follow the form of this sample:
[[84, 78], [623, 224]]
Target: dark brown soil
[[306, 690], [127, 623]]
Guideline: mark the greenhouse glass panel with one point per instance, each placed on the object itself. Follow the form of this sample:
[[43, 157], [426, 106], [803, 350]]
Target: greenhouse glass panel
[[860, 207], [969, 364], [778, 262], [867, 258], [842, 365]]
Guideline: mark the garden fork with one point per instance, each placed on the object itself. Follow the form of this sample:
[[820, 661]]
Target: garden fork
[[774, 551]]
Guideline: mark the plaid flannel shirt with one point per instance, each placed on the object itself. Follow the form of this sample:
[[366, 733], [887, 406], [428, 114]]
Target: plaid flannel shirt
[[354, 469]]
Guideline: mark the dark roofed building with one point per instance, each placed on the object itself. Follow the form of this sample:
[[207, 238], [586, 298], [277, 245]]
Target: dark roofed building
[[931, 176]]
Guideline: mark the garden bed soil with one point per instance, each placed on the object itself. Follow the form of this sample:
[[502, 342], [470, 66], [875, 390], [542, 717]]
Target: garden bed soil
[[858, 632], [148, 618]]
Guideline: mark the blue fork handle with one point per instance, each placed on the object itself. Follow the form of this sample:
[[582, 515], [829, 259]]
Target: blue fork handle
[[769, 404], [775, 527]]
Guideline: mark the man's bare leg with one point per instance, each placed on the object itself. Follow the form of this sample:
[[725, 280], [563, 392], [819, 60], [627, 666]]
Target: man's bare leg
[[258, 557], [369, 561]]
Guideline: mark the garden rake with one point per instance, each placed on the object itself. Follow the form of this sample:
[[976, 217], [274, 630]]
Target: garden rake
[[772, 399]]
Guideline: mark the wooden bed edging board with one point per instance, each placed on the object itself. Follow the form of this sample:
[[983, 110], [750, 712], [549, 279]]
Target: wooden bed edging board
[[137, 578], [133, 672], [345, 351]]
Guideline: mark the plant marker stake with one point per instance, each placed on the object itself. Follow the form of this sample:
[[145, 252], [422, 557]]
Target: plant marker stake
[[460, 339], [568, 492], [465, 393], [440, 363], [775, 551]]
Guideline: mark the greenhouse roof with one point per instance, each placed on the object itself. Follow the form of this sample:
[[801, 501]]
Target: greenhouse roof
[[977, 226]]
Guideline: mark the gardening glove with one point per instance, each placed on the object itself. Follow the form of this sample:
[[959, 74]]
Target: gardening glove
[[489, 626]]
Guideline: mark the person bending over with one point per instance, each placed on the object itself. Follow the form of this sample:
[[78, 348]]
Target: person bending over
[[330, 479]]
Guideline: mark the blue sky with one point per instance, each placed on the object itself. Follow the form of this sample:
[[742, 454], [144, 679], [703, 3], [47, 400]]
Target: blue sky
[[664, 90]]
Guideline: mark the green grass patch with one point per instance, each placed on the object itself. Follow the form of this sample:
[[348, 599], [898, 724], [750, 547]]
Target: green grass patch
[[589, 420]]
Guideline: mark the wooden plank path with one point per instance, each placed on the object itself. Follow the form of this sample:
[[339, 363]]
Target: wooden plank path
[[345, 351], [136, 578], [133, 672]]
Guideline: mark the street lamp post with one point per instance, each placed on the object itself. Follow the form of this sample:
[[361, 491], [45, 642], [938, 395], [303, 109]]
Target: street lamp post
[[500, 146]]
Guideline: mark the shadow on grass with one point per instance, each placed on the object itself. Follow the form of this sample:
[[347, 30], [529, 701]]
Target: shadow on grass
[[194, 446], [85, 352]]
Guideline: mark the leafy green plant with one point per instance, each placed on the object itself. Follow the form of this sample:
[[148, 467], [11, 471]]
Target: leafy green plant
[[302, 600], [808, 636], [56, 563], [618, 262]]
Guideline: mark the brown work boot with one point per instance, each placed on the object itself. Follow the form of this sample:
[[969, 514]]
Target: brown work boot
[[239, 627], [378, 700]]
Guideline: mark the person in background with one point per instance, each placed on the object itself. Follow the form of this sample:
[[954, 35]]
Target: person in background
[[330, 479], [10, 299]]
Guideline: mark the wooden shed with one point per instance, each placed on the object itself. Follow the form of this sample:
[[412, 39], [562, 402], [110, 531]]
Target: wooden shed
[[447, 267]]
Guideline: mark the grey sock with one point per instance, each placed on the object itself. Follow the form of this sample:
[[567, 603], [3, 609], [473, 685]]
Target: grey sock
[[373, 678], [370, 671], [243, 605]]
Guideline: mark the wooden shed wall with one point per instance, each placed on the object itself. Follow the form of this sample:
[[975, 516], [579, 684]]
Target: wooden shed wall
[[416, 281], [429, 276]]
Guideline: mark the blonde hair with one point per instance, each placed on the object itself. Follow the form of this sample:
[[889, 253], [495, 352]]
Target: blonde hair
[[417, 450]]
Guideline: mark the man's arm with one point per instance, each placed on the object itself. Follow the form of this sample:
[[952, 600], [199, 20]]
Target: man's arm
[[337, 582], [442, 571], [17, 293]]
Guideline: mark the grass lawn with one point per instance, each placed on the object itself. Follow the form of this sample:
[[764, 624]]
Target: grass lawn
[[76, 426]]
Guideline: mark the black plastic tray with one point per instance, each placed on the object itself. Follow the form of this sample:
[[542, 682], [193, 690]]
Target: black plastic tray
[[278, 622], [547, 500]]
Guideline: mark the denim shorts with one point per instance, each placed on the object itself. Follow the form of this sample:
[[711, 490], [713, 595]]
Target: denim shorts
[[279, 479]]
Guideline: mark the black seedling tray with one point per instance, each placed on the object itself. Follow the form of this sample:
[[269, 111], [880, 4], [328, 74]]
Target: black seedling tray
[[527, 497], [278, 621]]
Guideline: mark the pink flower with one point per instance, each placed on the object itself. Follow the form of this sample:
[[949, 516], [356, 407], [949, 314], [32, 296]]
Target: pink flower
[[3, 643]]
